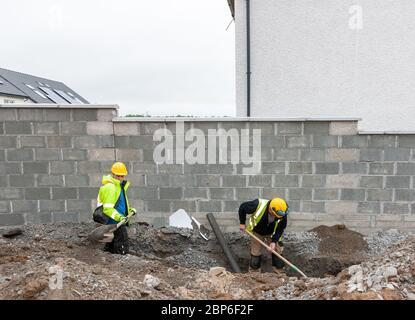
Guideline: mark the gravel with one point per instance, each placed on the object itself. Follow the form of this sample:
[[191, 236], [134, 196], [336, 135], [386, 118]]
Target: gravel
[[305, 242], [379, 241]]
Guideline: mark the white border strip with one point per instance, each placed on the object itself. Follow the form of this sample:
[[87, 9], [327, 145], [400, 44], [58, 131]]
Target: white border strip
[[58, 106]]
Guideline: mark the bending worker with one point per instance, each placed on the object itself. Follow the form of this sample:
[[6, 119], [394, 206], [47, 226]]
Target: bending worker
[[268, 221], [112, 207]]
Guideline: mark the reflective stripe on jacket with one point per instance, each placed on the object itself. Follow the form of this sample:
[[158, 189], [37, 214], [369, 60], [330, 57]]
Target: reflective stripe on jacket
[[258, 214], [108, 196]]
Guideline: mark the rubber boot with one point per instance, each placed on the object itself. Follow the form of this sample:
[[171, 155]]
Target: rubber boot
[[255, 264]]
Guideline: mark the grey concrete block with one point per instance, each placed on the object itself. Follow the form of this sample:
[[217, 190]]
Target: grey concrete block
[[1, 127], [148, 156], [48, 154], [86, 193], [37, 193], [246, 194], [326, 194], [396, 154], [8, 114], [73, 154], [188, 206], [19, 155], [107, 141], [369, 207], [231, 206], [208, 180], [79, 205], [267, 128], [353, 194], [5, 207], [99, 128], [195, 193], [46, 128], [182, 180], [8, 142], [126, 128], [149, 128], [59, 141], [396, 208], [221, 193], [371, 182], [286, 128], [73, 128], [325, 141], [140, 142], [286, 181], [316, 128], [26, 180], [11, 193], [234, 180], [62, 167], [129, 154], [343, 127], [65, 193], [88, 167], [312, 154], [139, 167], [38, 218], [195, 168], [300, 168], [368, 154], [24, 206], [76, 180], [2, 155], [4, 181], [299, 141], [85, 114], [32, 141], [12, 219], [171, 193], [35, 167], [299, 194], [143, 193], [170, 168], [65, 216], [382, 141], [260, 181], [270, 193], [361, 141], [30, 114], [379, 195], [342, 181], [402, 182], [85, 142], [405, 169], [404, 195], [50, 180], [18, 127], [295, 205], [286, 154], [51, 205], [327, 168], [209, 206], [157, 205], [353, 167], [272, 141], [381, 168], [314, 181], [273, 167], [406, 141], [106, 114], [158, 180], [123, 142], [312, 206], [10, 168], [220, 168], [58, 115], [342, 155]]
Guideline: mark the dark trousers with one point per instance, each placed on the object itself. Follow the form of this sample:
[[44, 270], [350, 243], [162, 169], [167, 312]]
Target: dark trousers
[[119, 244]]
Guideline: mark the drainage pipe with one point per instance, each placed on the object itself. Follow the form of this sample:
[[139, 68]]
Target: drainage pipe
[[222, 242]]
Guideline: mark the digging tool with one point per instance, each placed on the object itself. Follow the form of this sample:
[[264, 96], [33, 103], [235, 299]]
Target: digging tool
[[106, 233], [203, 231], [276, 253]]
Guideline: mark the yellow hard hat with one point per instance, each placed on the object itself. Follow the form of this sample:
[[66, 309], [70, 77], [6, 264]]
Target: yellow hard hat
[[119, 169], [279, 207]]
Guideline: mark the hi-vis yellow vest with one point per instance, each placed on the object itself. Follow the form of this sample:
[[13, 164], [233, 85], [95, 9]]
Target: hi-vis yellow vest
[[258, 214]]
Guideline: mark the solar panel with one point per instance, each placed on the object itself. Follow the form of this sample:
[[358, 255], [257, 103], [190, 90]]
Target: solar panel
[[65, 96], [53, 96]]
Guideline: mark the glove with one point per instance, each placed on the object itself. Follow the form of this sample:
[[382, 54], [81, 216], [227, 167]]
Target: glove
[[276, 247], [242, 227], [133, 211]]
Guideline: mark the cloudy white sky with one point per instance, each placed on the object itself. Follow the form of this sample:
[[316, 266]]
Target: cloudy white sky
[[158, 57]]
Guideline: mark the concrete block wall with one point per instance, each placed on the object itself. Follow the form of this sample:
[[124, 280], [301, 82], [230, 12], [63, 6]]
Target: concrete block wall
[[52, 161]]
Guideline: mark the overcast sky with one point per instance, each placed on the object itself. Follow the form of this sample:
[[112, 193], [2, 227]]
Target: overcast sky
[[160, 57]]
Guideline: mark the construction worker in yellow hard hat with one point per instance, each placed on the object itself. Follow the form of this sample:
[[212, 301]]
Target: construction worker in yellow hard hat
[[268, 221], [113, 206]]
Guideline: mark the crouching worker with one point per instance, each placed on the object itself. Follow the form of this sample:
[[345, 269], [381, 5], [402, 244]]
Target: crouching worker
[[268, 221], [112, 207]]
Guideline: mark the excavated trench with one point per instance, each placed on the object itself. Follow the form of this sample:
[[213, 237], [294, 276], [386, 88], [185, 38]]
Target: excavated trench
[[320, 252]]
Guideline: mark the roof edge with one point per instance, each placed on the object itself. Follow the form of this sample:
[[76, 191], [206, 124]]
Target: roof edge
[[231, 4]]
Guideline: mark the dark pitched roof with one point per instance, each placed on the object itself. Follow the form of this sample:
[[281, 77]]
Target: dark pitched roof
[[49, 91], [231, 4]]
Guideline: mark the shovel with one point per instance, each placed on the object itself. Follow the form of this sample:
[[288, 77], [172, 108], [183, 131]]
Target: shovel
[[203, 231], [276, 253], [106, 233]]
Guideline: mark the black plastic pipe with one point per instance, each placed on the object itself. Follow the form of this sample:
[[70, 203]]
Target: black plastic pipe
[[248, 58], [222, 242]]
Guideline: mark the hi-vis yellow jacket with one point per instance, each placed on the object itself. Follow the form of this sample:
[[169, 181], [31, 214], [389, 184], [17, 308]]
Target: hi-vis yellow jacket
[[258, 214], [108, 196]]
